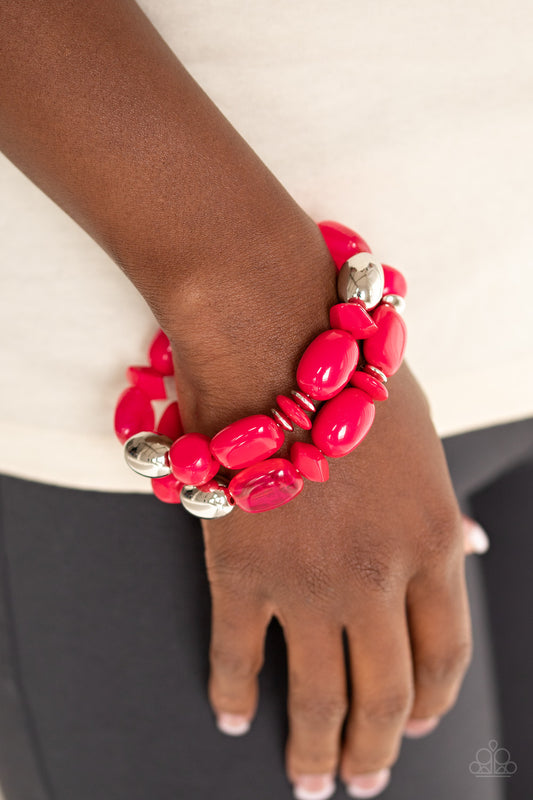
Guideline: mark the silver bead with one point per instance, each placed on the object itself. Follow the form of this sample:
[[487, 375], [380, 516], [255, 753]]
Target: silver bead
[[395, 300], [304, 401], [147, 454], [281, 420], [376, 372], [361, 278], [207, 505]]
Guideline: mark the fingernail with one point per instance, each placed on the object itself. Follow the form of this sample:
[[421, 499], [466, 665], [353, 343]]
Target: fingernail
[[420, 727], [477, 540], [233, 724], [368, 785], [314, 787]]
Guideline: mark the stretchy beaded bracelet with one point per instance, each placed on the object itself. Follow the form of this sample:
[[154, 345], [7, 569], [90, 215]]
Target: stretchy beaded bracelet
[[344, 368]]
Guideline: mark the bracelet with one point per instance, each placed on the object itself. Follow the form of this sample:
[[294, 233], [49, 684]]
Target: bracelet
[[343, 370]]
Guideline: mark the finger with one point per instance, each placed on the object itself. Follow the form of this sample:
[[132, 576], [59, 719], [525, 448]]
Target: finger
[[317, 705], [382, 695], [238, 628], [475, 537], [441, 640]]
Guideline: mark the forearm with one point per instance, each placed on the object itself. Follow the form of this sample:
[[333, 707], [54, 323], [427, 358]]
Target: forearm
[[97, 110]]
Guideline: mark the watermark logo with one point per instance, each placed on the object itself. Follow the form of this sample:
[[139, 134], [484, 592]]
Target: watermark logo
[[493, 762]]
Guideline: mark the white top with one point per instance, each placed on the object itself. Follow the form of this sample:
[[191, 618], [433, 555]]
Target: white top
[[411, 122]]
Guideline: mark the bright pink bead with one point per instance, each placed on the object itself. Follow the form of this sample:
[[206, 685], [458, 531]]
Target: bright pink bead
[[309, 461], [352, 317], [327, 364], [170, 422], [369, 384], [266, 485], [160, 354], [191, 460], [385, 349], [149, 380], [133, 414], [343, 422], [342, 242], [247, 441], [293, 411], [395, 283], [167, 489]]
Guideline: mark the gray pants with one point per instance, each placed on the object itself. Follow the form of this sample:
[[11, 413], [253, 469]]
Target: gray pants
[[104, 635]]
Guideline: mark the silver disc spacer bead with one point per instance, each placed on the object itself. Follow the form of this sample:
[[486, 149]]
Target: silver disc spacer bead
[[147, 454], [304, 401], [206, 505], [361, 278], [376, 372], [281, 420], [395, 300]]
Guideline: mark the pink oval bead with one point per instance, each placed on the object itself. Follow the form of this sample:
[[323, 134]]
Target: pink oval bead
[[191, 460], [352, 317], [149, 380], [309, 461], [385, 349], [342, 242], [167, 489], [247, 441], [133, 414], [170, 422], [395, 283], [343, 422], [160, 354], [266, 485], [327, 364], [369, 384], [293, 411]]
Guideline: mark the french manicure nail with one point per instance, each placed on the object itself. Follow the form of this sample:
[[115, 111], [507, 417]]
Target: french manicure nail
[[233, 724], [314, 787], [420, 727], [476, 536], [368, 785]]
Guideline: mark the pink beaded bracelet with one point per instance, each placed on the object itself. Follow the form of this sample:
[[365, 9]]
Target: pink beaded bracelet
[[335, 370]]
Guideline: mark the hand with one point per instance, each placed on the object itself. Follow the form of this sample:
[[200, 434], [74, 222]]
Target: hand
[[378, 551]]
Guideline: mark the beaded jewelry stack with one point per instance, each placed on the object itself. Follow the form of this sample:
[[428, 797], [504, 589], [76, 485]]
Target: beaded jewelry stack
[[340, 375]]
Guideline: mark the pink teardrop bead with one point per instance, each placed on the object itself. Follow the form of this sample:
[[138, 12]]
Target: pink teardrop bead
[[327, 364], [149, 380], [343, 422], [395, 282], [160, 354], [170, 422], [247, 441], [342, 242], [167, 489], [266, 485], [354, 318], [369, 384], [309, 461], [385, 349], [133, 414], [191, 460], [293, 411]]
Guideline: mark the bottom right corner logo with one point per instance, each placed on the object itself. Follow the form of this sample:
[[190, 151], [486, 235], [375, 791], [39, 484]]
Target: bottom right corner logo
[[493, 762]]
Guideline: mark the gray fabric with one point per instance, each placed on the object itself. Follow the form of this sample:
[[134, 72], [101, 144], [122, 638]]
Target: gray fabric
[[104, 634]]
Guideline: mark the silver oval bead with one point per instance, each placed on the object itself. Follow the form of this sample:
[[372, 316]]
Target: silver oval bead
[[206, 505], [304, 401], [147, 454], [361, 278], [395, 300], [281, 420], [376, 372]]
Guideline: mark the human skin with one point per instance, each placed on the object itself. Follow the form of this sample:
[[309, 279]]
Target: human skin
[[98, 112]]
